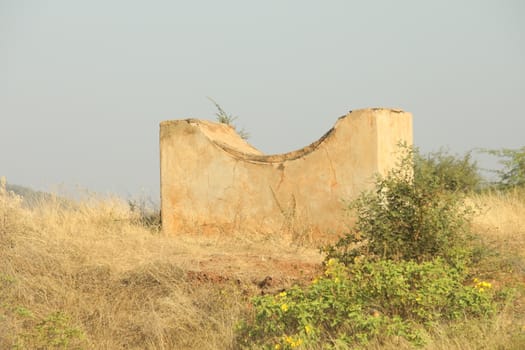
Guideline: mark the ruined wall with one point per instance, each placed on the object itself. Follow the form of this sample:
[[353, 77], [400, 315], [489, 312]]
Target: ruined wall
[[211, 179]]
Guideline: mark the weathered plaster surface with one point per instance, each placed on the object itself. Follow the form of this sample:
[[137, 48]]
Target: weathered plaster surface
[[213, 179]]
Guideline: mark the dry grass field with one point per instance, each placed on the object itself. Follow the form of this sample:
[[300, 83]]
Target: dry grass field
[[91, 275]]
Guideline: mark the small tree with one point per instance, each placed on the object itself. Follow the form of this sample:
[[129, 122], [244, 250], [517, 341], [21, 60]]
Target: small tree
[[454, 172], [513, 172], [410, 215]]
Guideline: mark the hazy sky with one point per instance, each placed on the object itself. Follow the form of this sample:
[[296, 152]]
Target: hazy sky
[[84, 84]]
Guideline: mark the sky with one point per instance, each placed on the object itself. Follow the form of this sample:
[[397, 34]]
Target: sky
[[85, 84]]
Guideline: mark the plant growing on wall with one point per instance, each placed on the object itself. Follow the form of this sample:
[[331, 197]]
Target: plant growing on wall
[[228, 119]]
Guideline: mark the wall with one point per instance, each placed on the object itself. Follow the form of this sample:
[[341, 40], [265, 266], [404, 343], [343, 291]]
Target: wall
[[213, 180]]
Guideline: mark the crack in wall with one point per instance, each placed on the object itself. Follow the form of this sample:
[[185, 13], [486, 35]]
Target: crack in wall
[[332, 171]]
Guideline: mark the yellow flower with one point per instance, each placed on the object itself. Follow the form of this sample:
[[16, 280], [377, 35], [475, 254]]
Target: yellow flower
[[331, 262], [284, 307], [315, 281], [277, 347], [296, 343], [482, 285], [308, 329], [293, 343], [282, 294], [337, 280]]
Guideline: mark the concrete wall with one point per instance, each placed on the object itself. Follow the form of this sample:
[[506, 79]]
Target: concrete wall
[[211, 179]]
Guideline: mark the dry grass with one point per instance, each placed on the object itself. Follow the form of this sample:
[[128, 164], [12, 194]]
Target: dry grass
[[501, 219], [121, 284], [88, 275]]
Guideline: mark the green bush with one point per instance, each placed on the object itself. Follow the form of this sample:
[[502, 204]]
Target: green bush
[[408, 216], [453, 172], [402, 269], [350, 305], [513, 173]]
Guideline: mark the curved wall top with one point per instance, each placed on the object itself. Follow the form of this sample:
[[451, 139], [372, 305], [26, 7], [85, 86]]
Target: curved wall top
[[213, 179]]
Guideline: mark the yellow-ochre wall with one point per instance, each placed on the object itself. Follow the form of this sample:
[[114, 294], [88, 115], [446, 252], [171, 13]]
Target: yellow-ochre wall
[[213, 180]]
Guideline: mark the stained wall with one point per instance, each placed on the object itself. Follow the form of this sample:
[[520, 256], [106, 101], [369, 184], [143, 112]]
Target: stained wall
[[213, 180]]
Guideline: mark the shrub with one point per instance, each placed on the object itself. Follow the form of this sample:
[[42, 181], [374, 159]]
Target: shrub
[[513, 173], [408, 216], [403, 268], [350, 305], [452, 172]]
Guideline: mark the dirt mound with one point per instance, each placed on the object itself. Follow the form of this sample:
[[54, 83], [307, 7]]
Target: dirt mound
[[255, 274]]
